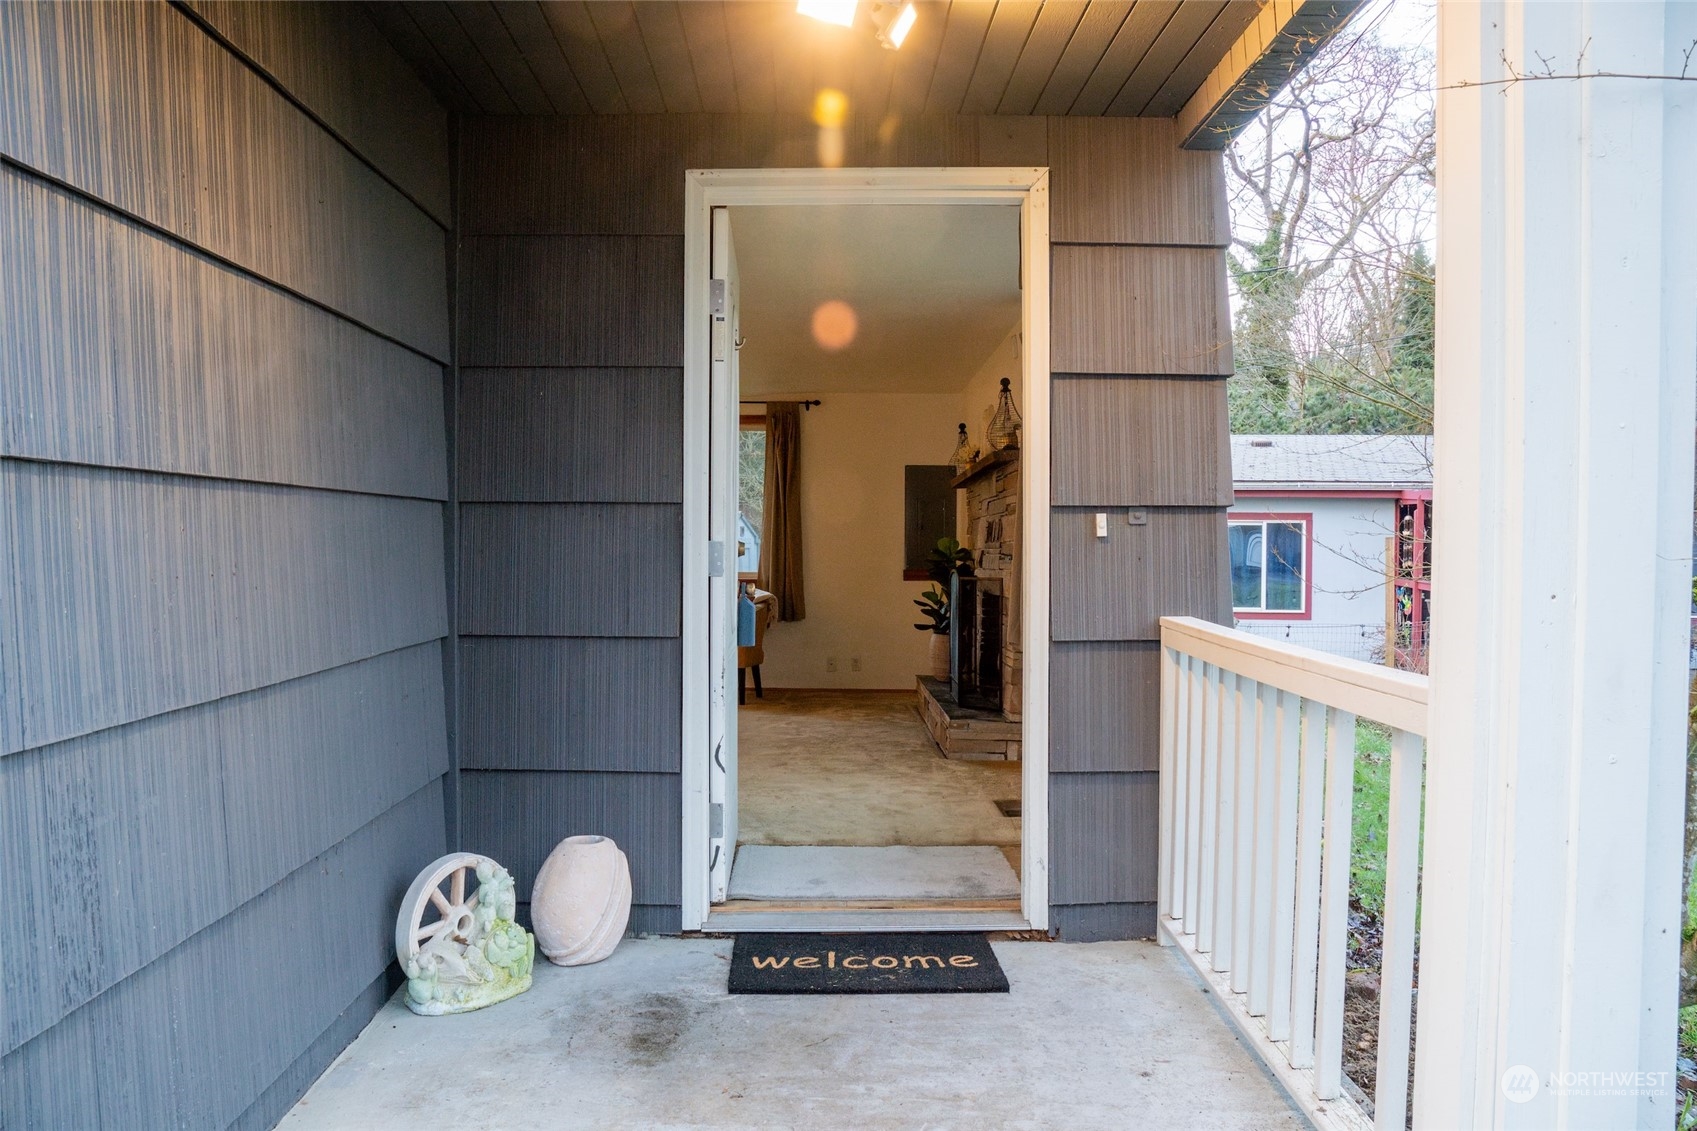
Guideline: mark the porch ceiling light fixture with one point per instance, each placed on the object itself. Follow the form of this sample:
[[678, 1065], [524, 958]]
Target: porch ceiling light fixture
[[840, 12], [893, 22]]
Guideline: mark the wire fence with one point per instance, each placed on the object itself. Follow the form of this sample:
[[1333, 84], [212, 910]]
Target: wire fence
[[1353, 641]]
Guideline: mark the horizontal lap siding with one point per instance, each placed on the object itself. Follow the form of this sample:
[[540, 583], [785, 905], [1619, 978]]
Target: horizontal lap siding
[[136, 594], [1104, 706], [235, 794], [1126, 181], [332, 59], [572, 300], [150, 356], [569, 449], [542, 703], [182, 134], [223, 468], [571, 435], [1119, 587], [570, 569], [1093, 813], [1141, 344], [198, 1036], [572, 271], [1113, 457], [1140, 310]]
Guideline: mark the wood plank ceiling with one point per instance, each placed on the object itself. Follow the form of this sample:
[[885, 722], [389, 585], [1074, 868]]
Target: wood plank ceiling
[[1133, 58]]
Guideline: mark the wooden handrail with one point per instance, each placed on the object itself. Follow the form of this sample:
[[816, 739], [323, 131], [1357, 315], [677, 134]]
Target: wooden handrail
[[1256, 806], [1369, 691]]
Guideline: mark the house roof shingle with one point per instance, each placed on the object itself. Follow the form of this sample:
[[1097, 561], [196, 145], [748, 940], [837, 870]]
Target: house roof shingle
[[1332, 462]]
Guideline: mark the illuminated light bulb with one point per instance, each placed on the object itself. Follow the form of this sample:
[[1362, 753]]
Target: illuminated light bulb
[[839, 12]]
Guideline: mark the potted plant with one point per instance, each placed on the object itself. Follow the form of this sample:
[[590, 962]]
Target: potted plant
[[934, 606], [947, 559]]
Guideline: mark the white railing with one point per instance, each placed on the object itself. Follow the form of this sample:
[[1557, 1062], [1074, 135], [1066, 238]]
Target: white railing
[[1257, 782]]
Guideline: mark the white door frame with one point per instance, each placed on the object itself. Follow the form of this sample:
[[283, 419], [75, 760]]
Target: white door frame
[[1028, 188]]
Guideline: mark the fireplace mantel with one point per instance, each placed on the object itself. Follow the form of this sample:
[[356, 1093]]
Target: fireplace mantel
[[984, 466]]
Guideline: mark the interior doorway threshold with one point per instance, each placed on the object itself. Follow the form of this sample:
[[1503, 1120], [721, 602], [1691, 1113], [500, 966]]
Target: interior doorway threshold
[[763, 915]]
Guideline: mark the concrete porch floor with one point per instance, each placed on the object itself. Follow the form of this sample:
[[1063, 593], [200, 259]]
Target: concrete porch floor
[[1103, 1035]]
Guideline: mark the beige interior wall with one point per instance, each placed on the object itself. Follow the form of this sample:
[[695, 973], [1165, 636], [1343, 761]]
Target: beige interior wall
[[853, 451], [979, 398]]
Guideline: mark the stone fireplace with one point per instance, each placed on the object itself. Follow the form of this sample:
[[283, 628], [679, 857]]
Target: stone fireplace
[[968, 726], [992, 525]]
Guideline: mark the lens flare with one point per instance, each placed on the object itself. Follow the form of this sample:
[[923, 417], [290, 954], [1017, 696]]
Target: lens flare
[[834, 325], [830, 107]]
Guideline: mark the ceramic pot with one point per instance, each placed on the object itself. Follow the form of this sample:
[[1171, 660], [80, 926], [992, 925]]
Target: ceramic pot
[[939, 655], [580, 904]]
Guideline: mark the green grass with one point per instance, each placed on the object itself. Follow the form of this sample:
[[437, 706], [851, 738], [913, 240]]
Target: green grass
[[1690, 926], [1370, 817]]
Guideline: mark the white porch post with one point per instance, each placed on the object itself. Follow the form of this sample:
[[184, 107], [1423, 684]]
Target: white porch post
[[1567, 356]]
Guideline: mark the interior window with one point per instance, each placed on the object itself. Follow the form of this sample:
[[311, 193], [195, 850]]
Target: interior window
[[751, 495], [1267, 564]]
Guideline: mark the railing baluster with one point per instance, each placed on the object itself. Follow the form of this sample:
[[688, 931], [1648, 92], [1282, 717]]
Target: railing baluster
[[1193, 795], [1266, 820], [1304, 975], [1257, 765], [1402, 893], [1184, 750], [1207, 825], [1289, 727], [1243, 845], [1170, 861], [1168, 773], [1334, 905], [1225, 821]]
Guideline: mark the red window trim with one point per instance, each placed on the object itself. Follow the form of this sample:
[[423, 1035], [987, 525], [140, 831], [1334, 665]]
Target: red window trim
[[1307, 521]]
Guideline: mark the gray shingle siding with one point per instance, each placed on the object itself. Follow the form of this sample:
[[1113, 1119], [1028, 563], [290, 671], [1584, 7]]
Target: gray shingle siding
[[223, 609]]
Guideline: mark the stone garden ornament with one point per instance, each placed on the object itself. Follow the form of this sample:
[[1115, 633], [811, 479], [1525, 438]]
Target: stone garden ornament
[[461, 950], [580, 904]]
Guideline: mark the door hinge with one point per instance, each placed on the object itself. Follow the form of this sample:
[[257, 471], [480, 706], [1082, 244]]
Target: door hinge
[[716, 819], [715, 559], [721, 298]]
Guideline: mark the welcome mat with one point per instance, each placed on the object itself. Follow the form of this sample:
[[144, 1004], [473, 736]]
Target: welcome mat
[[910, 963]]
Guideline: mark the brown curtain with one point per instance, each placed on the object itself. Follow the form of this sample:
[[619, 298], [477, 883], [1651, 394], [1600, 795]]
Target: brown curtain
[[780, 538]]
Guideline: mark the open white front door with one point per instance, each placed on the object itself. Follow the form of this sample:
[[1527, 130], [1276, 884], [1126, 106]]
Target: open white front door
[[722, 584]]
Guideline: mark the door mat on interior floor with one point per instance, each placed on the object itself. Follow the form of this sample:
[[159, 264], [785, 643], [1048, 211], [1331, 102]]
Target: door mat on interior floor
[[907, 963]]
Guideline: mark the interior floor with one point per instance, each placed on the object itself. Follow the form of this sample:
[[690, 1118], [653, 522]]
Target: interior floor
[[857, 768]]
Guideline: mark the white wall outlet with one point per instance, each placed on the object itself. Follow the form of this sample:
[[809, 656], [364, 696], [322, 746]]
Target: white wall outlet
[[854, 664], [831, 663]]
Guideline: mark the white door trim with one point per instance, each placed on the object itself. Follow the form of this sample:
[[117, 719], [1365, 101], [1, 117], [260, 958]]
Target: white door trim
[[1028, 188]]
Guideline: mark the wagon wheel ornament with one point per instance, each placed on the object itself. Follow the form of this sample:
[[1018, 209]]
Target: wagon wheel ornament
[[437, 905]]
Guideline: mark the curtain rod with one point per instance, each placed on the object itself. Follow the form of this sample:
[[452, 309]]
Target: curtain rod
[[806, 406]]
